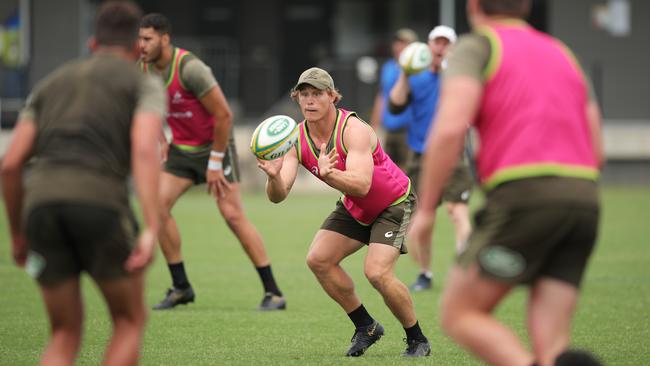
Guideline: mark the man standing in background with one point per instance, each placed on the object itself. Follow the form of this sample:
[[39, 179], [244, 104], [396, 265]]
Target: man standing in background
[[420, 93], [395, 126], [202, 151]]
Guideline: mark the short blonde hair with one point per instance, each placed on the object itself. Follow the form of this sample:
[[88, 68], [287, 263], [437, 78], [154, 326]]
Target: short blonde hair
[[337, 95]]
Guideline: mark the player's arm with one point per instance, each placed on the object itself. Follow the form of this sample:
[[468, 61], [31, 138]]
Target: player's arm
[[377, 108], [13, 162], [400, 94], [356, 179], [280, 175], [594, 119], [145, 158], [215, 103]]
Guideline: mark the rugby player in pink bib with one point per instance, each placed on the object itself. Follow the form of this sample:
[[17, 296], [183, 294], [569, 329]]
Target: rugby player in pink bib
[[539, 159], [341, 150], [202, 150]]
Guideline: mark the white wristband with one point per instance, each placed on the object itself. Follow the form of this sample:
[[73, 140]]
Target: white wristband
[[215, 165], [217, 154]]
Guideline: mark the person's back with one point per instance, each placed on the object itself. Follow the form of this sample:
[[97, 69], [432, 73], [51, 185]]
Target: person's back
[[83, 113], [86, 127], [534, 99]]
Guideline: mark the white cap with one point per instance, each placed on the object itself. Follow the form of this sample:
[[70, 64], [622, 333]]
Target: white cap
[[443, 31]]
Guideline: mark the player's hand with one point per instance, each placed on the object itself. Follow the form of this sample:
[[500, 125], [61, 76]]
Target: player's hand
[[217, 183], [19, 249], [271, 167], [326, 161], [164, 151], [142, 254], [421, 227]]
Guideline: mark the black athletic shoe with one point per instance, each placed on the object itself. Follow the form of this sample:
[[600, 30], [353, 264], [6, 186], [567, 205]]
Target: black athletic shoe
[[422, 283], [417, 348], [272, 302], [363, 338], [175, 297]]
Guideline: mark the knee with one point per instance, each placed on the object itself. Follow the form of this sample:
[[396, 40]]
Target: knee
[[377, 276], [231, 214], [317, 263]]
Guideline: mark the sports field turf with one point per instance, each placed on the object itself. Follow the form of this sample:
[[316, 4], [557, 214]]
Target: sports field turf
[[222, 328]]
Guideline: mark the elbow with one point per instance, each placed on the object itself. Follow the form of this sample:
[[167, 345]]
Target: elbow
[[362, 190], [8, 168]]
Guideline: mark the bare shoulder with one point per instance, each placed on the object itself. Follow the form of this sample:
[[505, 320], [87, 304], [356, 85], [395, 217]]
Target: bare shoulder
[[358, 131]]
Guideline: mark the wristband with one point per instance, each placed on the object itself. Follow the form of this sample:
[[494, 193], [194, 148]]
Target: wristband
[[215, 165], [217, 154]]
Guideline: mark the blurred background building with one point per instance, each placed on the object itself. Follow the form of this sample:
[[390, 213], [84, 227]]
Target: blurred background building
[[257, 49]]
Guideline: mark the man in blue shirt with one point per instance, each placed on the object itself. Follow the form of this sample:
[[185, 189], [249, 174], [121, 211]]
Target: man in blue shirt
[[395, 126], [420, 92]]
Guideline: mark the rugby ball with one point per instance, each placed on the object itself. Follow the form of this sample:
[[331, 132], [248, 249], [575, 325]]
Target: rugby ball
[[415, 58], [274, 137]]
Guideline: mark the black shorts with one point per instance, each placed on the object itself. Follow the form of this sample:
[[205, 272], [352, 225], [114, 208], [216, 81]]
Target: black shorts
[[533, 228], [192, 165], [67, 238], [388, 228]]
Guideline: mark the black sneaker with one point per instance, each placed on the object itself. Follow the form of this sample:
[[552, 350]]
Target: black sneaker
[[272, 301], [363, 338], [175, 296], [422, 283], [417, 348]]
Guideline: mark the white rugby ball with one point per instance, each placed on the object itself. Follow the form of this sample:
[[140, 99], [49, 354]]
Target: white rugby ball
[[415, 58], [274, 137]]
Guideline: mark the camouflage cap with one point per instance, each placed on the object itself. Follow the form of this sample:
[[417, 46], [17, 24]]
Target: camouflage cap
[[316, 77]]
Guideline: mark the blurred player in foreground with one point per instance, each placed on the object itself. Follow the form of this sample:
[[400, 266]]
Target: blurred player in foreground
[[86, 126], [202, 151], [343, 151], [539, 159]]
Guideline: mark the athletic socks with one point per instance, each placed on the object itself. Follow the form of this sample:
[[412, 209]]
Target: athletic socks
[[360, 317], [266, 275], [179, 278], [415, 332]]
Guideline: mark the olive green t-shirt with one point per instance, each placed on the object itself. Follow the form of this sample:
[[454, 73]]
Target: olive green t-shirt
[[195, 75], [470, 56], [83, 114]]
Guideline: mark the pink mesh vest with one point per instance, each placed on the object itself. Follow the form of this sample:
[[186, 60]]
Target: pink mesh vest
[[532, 121], [191, 124], [389, 184]]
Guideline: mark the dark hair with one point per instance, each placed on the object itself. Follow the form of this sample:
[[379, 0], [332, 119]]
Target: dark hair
[[116, 23], [515, 8], [158, 22]]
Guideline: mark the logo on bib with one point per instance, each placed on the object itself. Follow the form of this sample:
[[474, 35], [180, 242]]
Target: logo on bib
[[388, 234]]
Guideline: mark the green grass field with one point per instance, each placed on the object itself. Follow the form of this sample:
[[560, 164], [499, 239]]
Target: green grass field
[[222, 327]]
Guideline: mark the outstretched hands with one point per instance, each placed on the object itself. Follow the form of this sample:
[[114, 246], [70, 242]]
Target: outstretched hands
[[327, 161]]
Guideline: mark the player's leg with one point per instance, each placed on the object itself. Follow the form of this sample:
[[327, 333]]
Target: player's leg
[[551, 307], [65, 312], [327, 251], [171, 188], [125, 299], [420, 251], [232, 210], [459, 214], [379, 268], [466, 316]]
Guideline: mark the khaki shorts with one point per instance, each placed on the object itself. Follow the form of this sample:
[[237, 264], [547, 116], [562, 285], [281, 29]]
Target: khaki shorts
[[396, 147], [67, 238], [193, 164], [389, 228], [459, 187], [533, 228]]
